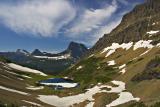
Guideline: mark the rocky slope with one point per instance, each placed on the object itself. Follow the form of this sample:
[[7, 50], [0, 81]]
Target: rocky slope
[[133, 27], [76, 50]]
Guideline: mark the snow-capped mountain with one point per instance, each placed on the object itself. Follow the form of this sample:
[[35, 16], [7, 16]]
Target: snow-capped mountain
[[74, 50], [47, 62], [22, 51]]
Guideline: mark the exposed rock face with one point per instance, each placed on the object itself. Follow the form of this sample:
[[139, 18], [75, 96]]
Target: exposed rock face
[[76, 50], [37, 52], [134, 25]]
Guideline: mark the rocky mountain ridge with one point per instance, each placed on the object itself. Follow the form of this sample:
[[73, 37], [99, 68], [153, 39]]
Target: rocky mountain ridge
[[45, 61], [76, 51], [130, 53], [130, 28]]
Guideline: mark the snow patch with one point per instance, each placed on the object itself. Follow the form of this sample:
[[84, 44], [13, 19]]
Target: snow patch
[[54, 58], [35, 88], [158, 45], [141, 54], [12, 73], [25, 76], [153, 23], [88, 96], [152, 32], [32, 103], [80, 67], [123, 98], [90, 104], [70, 100], [140, 44], [122, 66], [111, 62], [23, 52], [120, 87], [110, 50], [12, 90], [20, 79], [6, 67], [143, 44], [123, 69], [91, 55], [99, 67], [65, 85], [145, 52], [25, 69]]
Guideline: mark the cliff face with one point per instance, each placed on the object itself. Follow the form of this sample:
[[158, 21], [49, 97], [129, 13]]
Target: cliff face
[[133, 27], [76, 50]]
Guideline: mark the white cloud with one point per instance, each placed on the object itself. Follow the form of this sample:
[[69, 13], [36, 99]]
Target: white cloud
[[92, 19], [38, 17], [105, 30], [92, 38], [93, 24]]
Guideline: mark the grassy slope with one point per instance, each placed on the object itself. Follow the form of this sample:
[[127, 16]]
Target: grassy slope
[[12, 81], [95, 69], [89, 72]]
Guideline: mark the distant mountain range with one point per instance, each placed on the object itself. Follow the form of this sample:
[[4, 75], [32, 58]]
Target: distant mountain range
[[47, 62]]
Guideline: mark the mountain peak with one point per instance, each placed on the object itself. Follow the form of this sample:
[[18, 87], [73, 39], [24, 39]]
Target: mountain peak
[[22, 51], [37, 52], [73, 45], [76, 49]]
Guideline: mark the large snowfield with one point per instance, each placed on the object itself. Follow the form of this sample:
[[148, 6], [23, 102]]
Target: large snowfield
[[13, 90], [88, 96], [64, 85], [54, 58], [140, 44], [25, 69]]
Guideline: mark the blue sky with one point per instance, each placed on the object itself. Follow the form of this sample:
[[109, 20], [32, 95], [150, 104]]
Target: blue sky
[[50, 25]]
